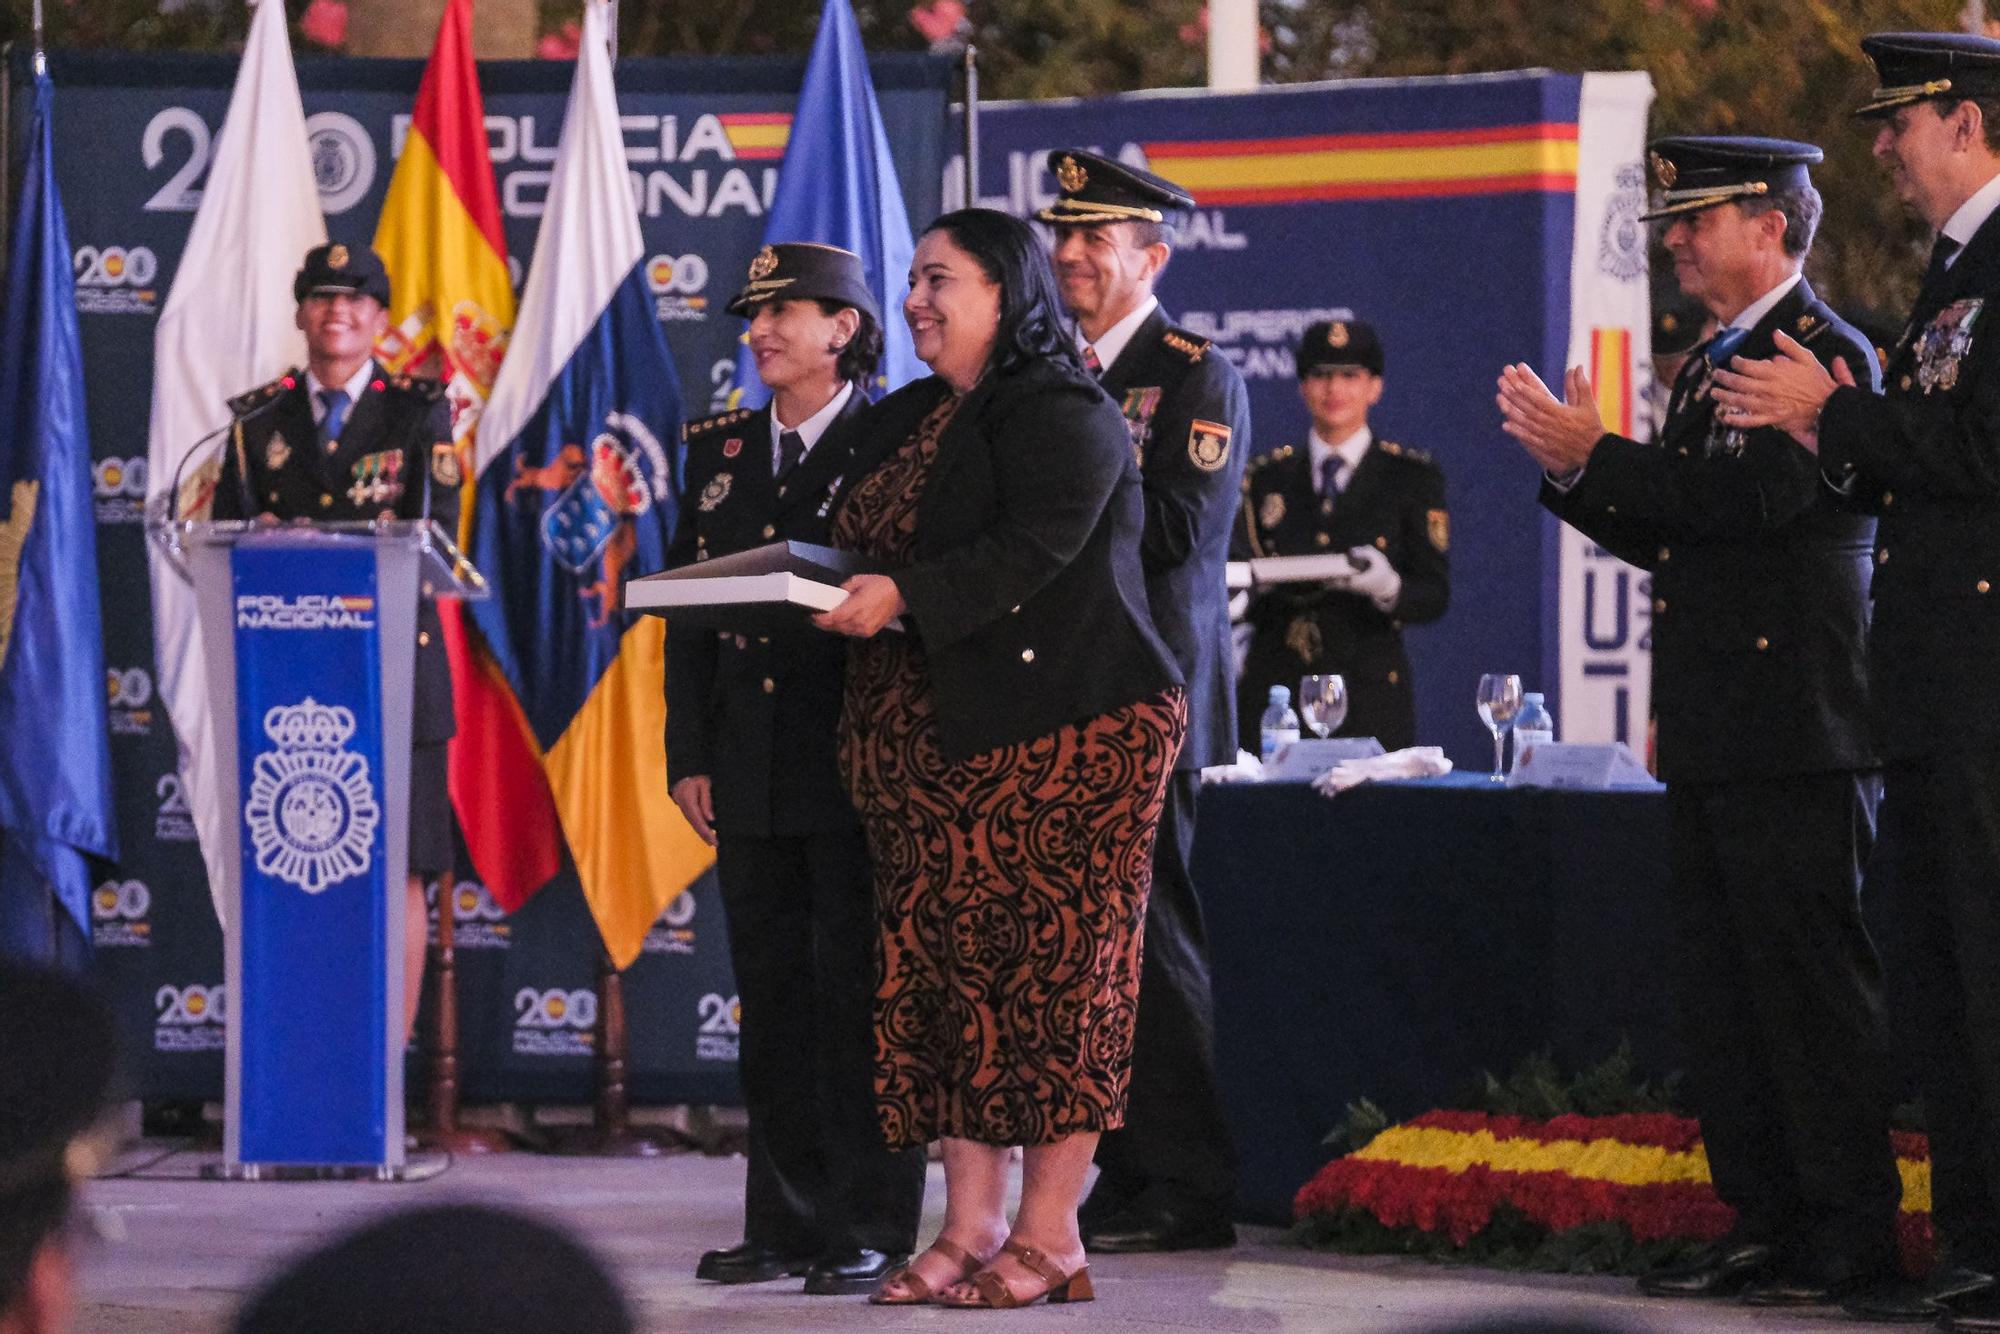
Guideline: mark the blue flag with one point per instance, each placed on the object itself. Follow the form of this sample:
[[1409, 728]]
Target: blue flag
[[837, 186], [55, 759]]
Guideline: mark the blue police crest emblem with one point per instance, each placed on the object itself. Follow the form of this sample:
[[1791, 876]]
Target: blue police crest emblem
[[312, 812]]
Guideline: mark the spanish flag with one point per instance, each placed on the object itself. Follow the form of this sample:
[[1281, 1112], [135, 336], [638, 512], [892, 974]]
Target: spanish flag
[[452, 311]]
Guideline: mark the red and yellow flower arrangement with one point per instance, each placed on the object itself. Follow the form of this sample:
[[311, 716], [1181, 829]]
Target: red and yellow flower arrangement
[[1570, 1192]]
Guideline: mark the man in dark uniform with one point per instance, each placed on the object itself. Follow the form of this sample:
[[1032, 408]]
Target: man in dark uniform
[[342, 441], [1924, 454], [1167, 1179], [1344, 492], [1760, 697], [752, 760]]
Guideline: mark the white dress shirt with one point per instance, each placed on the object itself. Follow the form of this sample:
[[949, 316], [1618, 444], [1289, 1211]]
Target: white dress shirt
[[811, 429], [1118, 335]]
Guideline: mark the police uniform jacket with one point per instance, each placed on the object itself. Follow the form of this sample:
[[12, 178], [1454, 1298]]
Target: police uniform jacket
[[1925, 456], [1394, 502], [758, 714], [1027, 589], [394, 457], [1758, 614], [1189, 416]]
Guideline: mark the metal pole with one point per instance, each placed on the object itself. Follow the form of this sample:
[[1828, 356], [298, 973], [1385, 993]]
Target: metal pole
[[610, 28], [1232, 45], [971, 125], [41, 56]]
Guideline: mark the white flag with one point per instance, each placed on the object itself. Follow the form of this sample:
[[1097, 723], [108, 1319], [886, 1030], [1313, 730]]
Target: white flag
[[229, 326]]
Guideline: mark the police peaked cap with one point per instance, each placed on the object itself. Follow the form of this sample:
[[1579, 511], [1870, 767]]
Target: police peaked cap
[[806, 271], [1697, 171], [1099, 189], [342, 268], [1339, 343], [1917, 66]]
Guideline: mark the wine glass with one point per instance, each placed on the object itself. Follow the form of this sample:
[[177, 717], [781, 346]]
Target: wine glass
[[1499, 701], [1323, 703]]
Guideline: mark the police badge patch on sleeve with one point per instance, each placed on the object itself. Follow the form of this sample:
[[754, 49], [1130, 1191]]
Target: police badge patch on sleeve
[[1208, 445], [1944, 343], [1272, 512], [1439, 523]]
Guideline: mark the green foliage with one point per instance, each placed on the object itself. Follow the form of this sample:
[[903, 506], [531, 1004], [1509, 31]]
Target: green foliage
[[1789, 68], [1538, 1090], [1363, 1122]]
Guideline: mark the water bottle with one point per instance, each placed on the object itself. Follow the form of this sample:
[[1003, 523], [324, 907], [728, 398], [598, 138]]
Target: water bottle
[[1280, 726], [1531, 725]]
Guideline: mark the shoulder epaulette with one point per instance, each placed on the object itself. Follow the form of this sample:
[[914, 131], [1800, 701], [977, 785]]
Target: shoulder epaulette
[[1269, 456], [1191, 346], [262, 392], [703, 425], [1394, 450], [418, 386]]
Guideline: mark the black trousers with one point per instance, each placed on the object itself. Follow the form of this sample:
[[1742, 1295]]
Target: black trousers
[[1781, 991], [802, 931], [1174, 1151], [1938, 870]]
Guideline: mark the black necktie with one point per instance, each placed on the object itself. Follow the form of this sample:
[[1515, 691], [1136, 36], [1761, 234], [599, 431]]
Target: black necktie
[[791, 448], [1941, 254]]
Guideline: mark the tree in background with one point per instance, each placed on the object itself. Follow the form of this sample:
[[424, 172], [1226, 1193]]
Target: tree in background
[[1789, 68]]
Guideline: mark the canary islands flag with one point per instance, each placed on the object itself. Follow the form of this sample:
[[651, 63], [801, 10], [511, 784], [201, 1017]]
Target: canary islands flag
[[55, 756], [576, 492]]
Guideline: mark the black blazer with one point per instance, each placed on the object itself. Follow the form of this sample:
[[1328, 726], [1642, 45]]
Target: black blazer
[[1174, 390], [1924, 454], [395, 456], [759, 715], [1758, 617], [1027, 588]]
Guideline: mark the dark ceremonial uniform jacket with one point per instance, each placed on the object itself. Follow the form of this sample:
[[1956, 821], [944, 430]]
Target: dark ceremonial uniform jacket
[[1027, 588], [394, 457], [1189, 416], [758, 714], [1394, 502], [1925, 456], [1757, 571]]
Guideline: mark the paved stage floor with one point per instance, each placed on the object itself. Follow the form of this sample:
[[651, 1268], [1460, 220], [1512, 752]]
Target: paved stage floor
[[179, 1254]]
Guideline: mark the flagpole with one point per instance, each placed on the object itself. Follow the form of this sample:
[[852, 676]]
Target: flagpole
[[971, 126], [41, 56]]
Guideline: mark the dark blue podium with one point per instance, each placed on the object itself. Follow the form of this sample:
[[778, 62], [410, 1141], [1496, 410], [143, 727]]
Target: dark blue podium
[[310, 637]]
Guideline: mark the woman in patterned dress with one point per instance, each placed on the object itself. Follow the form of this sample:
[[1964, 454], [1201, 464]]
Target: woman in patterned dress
[[1008, 751]]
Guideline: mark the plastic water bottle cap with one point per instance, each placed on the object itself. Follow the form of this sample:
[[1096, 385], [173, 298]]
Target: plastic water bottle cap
[[1534, 698], [1281, 694]]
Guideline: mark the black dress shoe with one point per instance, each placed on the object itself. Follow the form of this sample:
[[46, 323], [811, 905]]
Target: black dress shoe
[[1723, 1272], [1137, 1231], [850, 1270], [750, 1262], [1974, 1312], [1904, 1302]]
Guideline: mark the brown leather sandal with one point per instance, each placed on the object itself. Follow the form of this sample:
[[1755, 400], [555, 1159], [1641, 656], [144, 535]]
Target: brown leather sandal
[[990, 1290], [916, 1289]]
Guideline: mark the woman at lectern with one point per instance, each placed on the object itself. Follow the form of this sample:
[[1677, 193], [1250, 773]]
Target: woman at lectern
[[344, 440], [1008, 751]]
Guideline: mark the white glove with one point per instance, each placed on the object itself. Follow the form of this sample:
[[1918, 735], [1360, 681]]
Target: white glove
[[1374, 577]]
